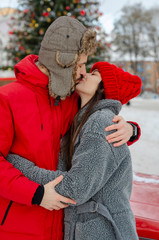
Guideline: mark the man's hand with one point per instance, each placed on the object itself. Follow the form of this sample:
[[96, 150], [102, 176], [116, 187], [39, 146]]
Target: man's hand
[[51, 199], [123, 133]]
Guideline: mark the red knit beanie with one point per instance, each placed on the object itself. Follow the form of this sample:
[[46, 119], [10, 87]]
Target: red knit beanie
[[118, 85]]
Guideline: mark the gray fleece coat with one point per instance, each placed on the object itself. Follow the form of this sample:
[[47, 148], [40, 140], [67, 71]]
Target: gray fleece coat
[[100, 181]]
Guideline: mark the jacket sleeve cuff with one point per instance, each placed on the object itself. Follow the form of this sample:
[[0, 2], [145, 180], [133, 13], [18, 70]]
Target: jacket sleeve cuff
[[38, 196], [136, 138]]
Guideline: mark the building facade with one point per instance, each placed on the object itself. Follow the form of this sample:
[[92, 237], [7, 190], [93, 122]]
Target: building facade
[[147, 70]]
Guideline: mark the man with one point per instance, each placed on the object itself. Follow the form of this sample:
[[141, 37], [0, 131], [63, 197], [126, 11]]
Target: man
[[33, 120]]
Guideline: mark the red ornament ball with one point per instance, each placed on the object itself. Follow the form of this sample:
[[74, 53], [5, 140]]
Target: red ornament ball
[[16, 59], [21, 48], [46, 14], [67, 8], [98, 28], [82, 12], [26, 10]]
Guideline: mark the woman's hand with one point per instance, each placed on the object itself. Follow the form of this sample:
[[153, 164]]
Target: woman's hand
[[123, 133], [51, 199]]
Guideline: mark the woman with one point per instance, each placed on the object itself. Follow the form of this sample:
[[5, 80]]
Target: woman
[[99, 176]]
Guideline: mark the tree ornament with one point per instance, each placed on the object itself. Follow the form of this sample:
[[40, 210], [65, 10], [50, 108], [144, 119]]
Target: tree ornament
[[65, 13], [10, 32], [49, 20], [16, 59], [22, 48], [67, 8], [98, 28], [48, 9], [46, 14], [32, 15], [58, 14], [33, 21], [26, 10], [41, 31], [36, 25], [83, 13], [28, 51]]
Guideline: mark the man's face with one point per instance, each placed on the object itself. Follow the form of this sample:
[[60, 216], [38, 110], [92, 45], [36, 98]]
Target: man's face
[[81, 67]]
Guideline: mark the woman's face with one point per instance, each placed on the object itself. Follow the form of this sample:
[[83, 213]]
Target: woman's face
[[88, 85]]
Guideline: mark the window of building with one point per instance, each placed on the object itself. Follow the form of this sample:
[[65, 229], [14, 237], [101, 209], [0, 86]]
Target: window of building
[[148, 75], [148, 66]]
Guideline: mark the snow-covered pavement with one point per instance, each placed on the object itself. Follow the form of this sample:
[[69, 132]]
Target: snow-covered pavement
[[145, 153]]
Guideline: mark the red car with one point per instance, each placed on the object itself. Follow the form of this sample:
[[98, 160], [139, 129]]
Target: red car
[[145, 205]]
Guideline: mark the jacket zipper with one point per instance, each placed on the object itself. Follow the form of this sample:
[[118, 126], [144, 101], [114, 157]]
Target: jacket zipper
[[6, 213]]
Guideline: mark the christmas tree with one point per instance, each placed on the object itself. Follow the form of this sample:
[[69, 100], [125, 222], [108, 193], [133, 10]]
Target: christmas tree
[[34, 17]]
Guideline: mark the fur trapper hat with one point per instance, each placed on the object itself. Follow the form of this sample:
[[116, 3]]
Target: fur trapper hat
[[64, 40]]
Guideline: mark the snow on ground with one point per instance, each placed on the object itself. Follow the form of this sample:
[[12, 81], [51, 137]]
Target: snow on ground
[[5, 74], [145, 152]]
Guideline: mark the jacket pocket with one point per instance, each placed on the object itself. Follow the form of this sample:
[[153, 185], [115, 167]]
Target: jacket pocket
[[97, 228], [6, 212]]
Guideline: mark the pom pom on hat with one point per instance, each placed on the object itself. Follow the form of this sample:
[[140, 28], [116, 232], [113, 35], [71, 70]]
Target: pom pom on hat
[[118, 85]]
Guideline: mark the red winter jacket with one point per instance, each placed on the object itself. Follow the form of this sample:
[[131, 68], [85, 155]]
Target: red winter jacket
[[30, 126]]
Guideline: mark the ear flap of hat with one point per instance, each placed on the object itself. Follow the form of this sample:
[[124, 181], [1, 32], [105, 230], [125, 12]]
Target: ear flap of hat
[[60, 81]]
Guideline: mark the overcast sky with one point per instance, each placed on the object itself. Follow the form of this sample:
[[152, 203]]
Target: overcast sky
[[109, 8]]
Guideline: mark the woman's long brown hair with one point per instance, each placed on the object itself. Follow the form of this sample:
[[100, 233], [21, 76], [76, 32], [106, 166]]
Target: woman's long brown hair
[[68, 141]]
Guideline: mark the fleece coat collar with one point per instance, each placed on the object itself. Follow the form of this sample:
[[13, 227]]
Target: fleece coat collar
[[113, 105]]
